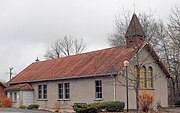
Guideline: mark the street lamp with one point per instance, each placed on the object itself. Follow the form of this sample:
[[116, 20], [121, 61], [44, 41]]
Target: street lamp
[[10, 69], [126, 63]]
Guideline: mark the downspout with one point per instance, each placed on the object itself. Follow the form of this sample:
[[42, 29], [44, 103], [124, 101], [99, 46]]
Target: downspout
[[114, 87]]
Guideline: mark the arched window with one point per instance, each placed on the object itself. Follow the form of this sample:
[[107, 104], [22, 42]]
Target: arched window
[[135, 72], [143, 77], [150, 77]]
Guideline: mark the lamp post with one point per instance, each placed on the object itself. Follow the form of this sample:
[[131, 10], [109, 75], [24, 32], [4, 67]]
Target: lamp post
[[10, 69], [126, 63]]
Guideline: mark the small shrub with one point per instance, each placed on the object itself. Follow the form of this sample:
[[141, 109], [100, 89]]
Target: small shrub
[[2, 96], [7, 102], [146, 100], [177, 103], [99, 106], [23, 107], [57, 106], [85, 108], [80, 107], [33, 106], [159, 104], [113, 106]]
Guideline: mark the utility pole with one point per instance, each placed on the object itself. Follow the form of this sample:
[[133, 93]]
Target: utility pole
[[10, 71]]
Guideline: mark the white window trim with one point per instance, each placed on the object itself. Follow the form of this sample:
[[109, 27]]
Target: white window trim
[[66, 99], [153, 81], [99, 99], [42, 91]]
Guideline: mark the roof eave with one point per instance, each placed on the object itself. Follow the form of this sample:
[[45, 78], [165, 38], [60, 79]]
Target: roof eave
[[159, 61], [65, 78], [19, 89]]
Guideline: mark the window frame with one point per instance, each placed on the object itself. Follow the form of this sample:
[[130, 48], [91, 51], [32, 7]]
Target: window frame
[[15, 97], [143, 77], [150, 83], [11, 95], [64, 91], [60, 91], [99, 91], [42, 91], [135, 74], [67, 91]]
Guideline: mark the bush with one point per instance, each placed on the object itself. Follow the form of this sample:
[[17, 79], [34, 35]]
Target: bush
[[177, 103], [7, 102], [159, 104], [23, 107], [146, 99], [57, 106], [97, 107], [33, 106], [113, 106], [84, 108], [2, 96]]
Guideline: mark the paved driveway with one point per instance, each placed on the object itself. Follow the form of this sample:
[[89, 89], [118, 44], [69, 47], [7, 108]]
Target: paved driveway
[[174, 110], [14, 110]]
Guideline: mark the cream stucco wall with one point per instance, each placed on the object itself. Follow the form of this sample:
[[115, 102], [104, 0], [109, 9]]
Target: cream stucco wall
[[81, 91], [160, 90]]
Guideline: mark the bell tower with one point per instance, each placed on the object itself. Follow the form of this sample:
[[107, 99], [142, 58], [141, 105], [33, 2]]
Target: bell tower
[[135, 34]]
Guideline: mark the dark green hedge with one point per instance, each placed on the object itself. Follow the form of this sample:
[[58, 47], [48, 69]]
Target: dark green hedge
[[177, 103], [97, 107], [114, 106], [33, 106]]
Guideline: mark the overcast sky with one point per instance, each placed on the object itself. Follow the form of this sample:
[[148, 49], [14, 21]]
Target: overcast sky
[[28, 27]]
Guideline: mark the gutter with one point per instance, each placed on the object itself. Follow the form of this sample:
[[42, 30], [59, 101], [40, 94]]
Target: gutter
[[64, 78]]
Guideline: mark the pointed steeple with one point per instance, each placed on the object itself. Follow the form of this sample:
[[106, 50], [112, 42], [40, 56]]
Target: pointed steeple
[[134, 28], [135, 32]]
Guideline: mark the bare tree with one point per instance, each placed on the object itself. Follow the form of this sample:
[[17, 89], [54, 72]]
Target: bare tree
[[163, 42], [165, 38], [66, 46], [174, 25], [173, 31], [122, 20], [163, 47], [79, 45]]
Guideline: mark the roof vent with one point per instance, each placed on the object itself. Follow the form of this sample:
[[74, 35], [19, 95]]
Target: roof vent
[[37, 60]]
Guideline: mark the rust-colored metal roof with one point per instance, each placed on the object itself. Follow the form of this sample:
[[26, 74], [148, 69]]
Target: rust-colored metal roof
[[82, 65], [2, 85], [135, 28], [91, 64], [25, 86]]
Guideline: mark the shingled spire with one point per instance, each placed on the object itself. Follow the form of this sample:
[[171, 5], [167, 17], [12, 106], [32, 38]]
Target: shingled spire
[[135, 33]]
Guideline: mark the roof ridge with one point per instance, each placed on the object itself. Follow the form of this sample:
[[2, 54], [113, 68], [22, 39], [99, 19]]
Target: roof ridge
[[89, 52]]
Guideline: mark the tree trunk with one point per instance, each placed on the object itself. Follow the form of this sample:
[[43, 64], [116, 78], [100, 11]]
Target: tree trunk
[[174, 93], [137, 89], [137, 83]]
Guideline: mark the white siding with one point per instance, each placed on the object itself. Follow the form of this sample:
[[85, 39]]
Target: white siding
[[27, 97]]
